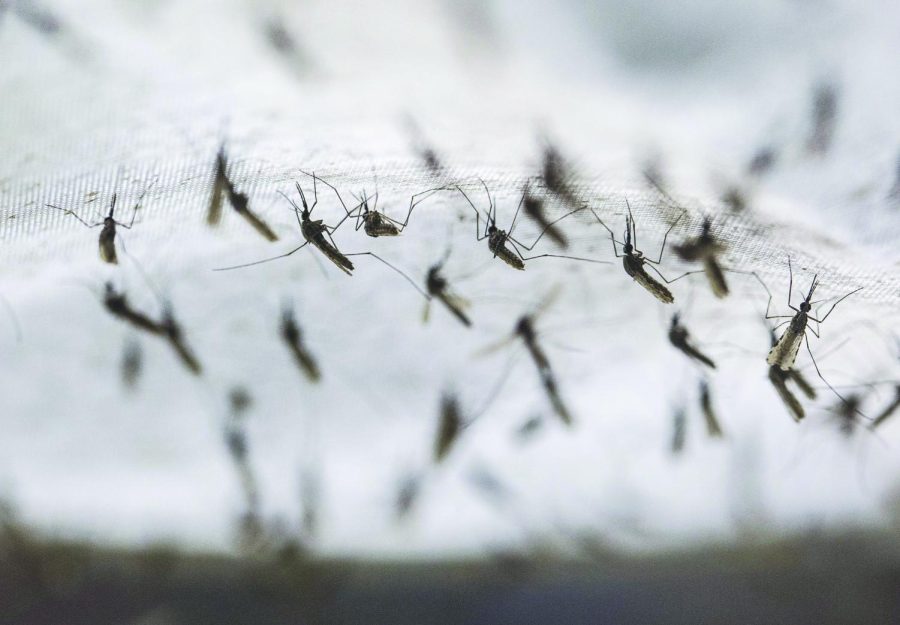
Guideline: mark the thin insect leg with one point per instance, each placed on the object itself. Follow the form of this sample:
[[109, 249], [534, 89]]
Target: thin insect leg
[[665, 236], [294, 204], [137, 205], [827, 383], [408, 279], [814, 331], [492, 207], [338, 224], [336, 192], [830, 310], [259, 262], [72, 213], [478, 235], [359, 214], [667, 281], [790, 283], [413, 204], [612, 235], [546, 228], [586, 260], [512, 225], [788, 317]]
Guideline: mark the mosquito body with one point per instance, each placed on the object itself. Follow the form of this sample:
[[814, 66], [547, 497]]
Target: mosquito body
[[533, 206], [438, 288], [889, 410], [713, 428], [679, 337], [706, 249], [501, 243], [107, 239], [240, 202], [171, 329], [792, 374], [525, 331], [848, 412], [449, 427], [634, 261], [292, 335], [118, 306]]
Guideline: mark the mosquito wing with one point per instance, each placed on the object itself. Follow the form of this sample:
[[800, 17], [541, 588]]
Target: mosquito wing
[[777, 377], [716, 277]]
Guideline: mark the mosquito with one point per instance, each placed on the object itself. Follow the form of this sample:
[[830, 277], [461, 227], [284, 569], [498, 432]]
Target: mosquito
[[240, 202], [502, 243], [889, 410], [679, 430], [292, 335], [374, 222], [848, 412], [171, 329], [633, 259], [709, 412], [525, 330], [779, 379], [679, 337], [556, 175], [132, 363], [451, 423], [236, 443], [534, 208], [118, 306], [762, 161], [107, 239], [438, 288], [706, 249], [793, 374], [824, 114]]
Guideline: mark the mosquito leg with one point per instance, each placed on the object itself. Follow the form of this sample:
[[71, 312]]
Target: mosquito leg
[[73, 214], [478, 235], [667, 281], [512, 225], [612, 235], [336, 192], [259, 262], [406, 277], [665, 236], [830, 310], [413, 203], [827, 383]]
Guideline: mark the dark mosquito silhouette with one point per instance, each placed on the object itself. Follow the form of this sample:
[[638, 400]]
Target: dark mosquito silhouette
[[449, 427], [438, 288], [285, 44], [888, 410], [679, 337], [784, 353], [634, 261], [375, 223], [240, 202], [713, 427], [706, 249], [734, 198], [824, 116], [236, 443], [291, 334], [679, 430], [315, 231], [132, 363], [779, 379], [533, 206], [107, 239], [847, 412], [556, 174], [502, 244], [171, 329], [118, 306], [762, 161], [423, 149], [525, 330]]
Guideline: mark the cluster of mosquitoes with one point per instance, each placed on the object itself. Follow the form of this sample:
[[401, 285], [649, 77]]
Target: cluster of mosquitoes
[[704, 249]]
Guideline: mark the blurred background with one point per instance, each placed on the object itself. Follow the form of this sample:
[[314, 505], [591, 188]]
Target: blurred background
[[139, 488]]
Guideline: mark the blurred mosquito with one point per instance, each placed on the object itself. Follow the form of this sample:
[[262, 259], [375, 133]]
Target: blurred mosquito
[[706, 249], [173, 332], [784, 353], [438, 288], [633, 260], [847, 412], [824, 115], [679, 337], [240, 202], [534, 208], [556, 174], [679, 430], [107, 239], [407, 495], [118, 306], [762, 161], [132, 363], [888, 410], [449, 427], [502, 244], [236, 443], [734, 198], [525, 330], [425, 151], [713, 428], [779, 379], [291, 334]]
